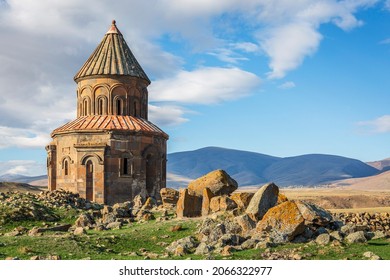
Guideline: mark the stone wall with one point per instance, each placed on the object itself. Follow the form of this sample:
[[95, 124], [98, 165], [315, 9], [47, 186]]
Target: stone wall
[[145, 157], [131, 92]]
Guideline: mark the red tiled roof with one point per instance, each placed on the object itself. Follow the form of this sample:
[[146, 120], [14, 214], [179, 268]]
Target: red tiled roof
[[109, 122]]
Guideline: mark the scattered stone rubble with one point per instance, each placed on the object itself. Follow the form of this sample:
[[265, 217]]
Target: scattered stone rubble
[[231, 221], [241, 221]]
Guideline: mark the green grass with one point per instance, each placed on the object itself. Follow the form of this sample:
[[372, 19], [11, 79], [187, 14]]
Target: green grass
[[111, 244], [130, 241], [135, 240]]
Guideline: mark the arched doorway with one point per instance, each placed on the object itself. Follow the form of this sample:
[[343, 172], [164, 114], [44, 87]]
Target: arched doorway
[[150, 173], [89, 180]]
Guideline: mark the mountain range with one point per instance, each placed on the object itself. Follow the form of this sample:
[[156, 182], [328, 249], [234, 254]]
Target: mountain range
[[250, 168], [22, 178]]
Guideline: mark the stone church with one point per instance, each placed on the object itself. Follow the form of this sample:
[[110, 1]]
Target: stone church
[[111, 152]]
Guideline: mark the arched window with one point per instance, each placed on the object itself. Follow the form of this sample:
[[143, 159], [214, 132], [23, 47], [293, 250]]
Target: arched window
[[66, 168], [89, 192], [100, 106], [85, 107], [119, 106], [135, 109]]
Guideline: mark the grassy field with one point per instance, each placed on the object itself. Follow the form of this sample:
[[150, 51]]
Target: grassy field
[[148, 241]]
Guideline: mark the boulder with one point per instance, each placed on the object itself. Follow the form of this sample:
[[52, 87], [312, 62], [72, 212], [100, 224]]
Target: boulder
[[207, 196], [63, 227], [79, 231], [313, 214], [249, 244], [203, 249], [84, 220], [336, 235], [212, 230], [245, 222], [281, 198], [169, 197], [214, 204], [283, 221], [114, 225], [265, 198], [226, 203], [218, 181], [230, 239], [356, 237], [184, 245], [138, 201], [108, 218], [188, 205], [371, 256], [221, 203], [323, 239], [149, 203], [242, 199], [122, 210], [227, 251], [348, 229]]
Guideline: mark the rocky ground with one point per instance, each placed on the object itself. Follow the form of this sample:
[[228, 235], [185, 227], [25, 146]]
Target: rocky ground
[[227, 222]]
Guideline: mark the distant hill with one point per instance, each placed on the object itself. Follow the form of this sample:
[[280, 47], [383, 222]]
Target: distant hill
[[377, 182], [32, 180], [249, 168], [21, 187], [243, 165], [382, 165], [316, 169]]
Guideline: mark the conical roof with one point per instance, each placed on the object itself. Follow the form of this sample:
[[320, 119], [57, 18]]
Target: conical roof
[[112, 57]]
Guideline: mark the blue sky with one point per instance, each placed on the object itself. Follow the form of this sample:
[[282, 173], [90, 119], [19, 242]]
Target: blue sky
[[280, 77]]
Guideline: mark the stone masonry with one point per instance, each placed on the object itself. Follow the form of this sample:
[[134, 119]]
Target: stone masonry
[[111, 152]]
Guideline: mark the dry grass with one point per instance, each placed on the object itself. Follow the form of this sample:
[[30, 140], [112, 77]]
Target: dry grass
[[21, 187], [360, 210], [340, 199]]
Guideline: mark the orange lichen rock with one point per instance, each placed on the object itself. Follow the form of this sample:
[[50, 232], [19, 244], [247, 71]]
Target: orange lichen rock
[[283, 221], [169, 197], [218, 181], [281, 198], [242, 199], [188, 205], [207, 196]]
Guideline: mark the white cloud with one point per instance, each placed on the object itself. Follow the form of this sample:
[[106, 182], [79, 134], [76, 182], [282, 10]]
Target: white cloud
[[22, 138], [205, 86], [248, 47], [167, 115], [379, 125], [387, 4], [22, 167], [292, 28], [288, 45], [287, 85], [45, 42], [227, 55], [385, 42]]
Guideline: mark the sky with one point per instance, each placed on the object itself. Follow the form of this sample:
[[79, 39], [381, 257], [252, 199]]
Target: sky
[[277, 77]]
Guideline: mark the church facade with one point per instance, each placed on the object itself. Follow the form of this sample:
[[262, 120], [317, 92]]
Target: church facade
[[111, 152]]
